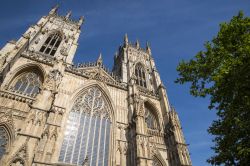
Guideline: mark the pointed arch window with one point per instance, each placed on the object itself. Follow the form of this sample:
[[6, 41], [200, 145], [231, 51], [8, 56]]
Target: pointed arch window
[[87, 134], [4, 139], [140, 75], [51, 44], [27, 83], [150, 119]]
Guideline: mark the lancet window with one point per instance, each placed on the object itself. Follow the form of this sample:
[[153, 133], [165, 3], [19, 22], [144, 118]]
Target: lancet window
[[87, 134], [140, 75], [27, 83], [3, 141], [51, 44], [151, 119]]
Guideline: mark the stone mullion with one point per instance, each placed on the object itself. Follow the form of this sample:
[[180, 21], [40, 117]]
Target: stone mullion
[[104, 147], [52, 47], [78, 126], [79, 152], [66, 150], [90, 122], [99, 141], [93, 142]]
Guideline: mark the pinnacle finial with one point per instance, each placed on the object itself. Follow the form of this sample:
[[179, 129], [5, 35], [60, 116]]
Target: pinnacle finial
[[81, 20], [116, 54], [137, 44], [126, 39], [99, 60], [54, 9], [148, 47], [68, 15]]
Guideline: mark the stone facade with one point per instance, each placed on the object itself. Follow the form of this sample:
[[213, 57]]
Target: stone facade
[[56, 113]]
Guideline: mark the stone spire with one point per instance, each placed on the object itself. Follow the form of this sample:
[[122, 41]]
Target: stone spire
[[81, 20], [68, 15], [148, 48], [137, 44], [126, 39], [99, 60], [54, 9]]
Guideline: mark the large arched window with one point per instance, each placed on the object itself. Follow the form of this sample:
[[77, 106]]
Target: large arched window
[[140, 75], [51, 44], [4, 139], [87, 133], [27, 83], [150, 118]]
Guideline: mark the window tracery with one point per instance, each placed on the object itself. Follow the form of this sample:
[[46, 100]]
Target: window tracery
[[27, 83], [140, 75], [156, 162], [51, 44], [4, 139], [87, 134], [151, 119]]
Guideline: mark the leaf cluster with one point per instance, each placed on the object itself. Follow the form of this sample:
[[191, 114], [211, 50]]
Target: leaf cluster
[[222, 72]]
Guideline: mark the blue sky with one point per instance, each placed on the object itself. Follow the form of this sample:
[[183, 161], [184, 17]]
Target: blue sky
[[176, 29]]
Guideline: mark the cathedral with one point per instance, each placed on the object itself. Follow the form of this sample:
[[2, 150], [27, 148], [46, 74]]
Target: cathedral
[[56, 113]]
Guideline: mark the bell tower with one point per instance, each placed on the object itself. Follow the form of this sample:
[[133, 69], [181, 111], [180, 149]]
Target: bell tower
[[136, 67], [45, 50], [53, 36], [57, 36], [134, 61]]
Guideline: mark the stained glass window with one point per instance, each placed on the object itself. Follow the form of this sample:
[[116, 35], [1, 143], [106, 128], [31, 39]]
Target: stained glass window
[[140, 75], [87, 133], [27, 83], [51, 44], [151, 119], [3, 141]]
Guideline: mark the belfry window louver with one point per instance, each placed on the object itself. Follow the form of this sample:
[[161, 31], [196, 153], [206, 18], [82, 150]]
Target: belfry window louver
[[51, 44]]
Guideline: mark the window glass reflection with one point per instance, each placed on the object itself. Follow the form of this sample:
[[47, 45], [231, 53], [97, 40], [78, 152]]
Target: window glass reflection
[[87, 134]]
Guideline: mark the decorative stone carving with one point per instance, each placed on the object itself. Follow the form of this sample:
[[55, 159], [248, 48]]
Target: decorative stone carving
[[52, 80], [97, 74], [6, 118], [36, 56], [21, 156]]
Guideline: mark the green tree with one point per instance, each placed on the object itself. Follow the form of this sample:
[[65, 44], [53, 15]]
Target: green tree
[[222, 73]]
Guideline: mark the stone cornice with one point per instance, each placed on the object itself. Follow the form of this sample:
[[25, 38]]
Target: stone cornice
[[148, 93], [155, 133], [16, 96], [42, 58]]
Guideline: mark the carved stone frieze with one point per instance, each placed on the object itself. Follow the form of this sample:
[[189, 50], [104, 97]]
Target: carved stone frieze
[[39, 57], [16, 96], [53, 80], [146, 92], [140, 108], [7, 118]]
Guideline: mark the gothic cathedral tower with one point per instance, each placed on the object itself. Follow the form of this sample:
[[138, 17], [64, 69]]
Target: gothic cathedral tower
[[53, 112]]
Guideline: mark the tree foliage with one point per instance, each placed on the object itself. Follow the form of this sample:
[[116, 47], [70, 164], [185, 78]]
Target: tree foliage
[[222, 72]]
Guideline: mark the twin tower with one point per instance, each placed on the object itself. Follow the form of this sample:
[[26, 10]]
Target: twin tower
[[55, 113]]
